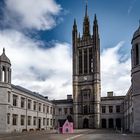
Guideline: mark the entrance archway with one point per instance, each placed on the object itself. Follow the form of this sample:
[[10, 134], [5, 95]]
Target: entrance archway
[[103, 123], [86, 123]]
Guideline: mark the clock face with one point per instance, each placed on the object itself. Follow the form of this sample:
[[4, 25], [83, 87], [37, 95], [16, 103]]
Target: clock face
[[85, 78]]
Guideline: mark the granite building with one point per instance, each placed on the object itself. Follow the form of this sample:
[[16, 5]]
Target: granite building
[[21, 109], [86, 75], [24, 110]]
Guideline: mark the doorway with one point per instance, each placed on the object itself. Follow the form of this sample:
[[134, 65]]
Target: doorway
[[86, 123], [111, 123], [103, 123], [118, 123], [39, 123]]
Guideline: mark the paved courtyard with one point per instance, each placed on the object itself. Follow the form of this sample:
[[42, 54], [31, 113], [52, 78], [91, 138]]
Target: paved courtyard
[[84, 134]]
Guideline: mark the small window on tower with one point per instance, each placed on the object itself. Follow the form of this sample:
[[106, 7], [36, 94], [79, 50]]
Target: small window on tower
[[137, 54], [80, 61], [90, 60], [85, 61]]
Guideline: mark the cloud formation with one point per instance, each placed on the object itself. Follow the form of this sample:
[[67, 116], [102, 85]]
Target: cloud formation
[[49, 70], [44, 70], [32, 14], [115, 70]]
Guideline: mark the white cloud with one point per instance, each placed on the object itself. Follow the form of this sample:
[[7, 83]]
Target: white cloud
[[47, 71], [115, 73], [32, 14]]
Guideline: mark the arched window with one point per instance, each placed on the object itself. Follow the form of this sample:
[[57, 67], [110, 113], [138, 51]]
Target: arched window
[[85, 109], [3, 74]]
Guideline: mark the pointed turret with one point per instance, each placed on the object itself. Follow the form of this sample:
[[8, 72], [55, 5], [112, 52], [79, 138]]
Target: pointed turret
[[74, 33], [86, 14], [74, 25], [74, 44], [96, 41], [95, 28], [86, 24], [4, 58], [5, 68]]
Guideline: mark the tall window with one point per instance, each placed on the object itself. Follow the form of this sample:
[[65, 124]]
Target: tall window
[[8, 96], [90, 60], [71, 110], [8, 118], [118, 108], [85, 109], [34, 120], [29, 120], [29, 104], [35, 105], [60, 111], [80, 61], [22, 102], [15, 118], [47, 109], [22, 119], [50, 121], [137, 54], [15, 97], [65, 111], [85, 61], [43, 108], [39, 107], [110, 109], [51, 110], [86, 94], [103, 109], [47, 121], [44, 119]]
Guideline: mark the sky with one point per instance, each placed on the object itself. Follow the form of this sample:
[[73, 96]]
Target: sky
[[37, 38]]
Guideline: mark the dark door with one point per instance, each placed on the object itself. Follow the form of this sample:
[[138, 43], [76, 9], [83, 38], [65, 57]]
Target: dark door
[[111, 124], [86, 123], [103, 123], [118, 123], [39, 123]]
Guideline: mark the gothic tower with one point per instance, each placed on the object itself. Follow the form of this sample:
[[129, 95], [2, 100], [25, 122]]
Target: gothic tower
[[5, 89], [135, 79], [86, 75]]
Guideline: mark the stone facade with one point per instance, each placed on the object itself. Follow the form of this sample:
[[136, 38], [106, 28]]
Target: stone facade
[[24, 110], [135, 78], [86, 75], [112, 111], [21, 109]]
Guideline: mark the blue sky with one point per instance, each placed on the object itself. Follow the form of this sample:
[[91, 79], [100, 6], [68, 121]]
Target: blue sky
[[118, 19], [37, 39]]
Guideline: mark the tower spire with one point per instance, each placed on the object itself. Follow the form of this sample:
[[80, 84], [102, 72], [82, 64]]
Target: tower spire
[[86, 23], [86, 10], [4, 50]]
